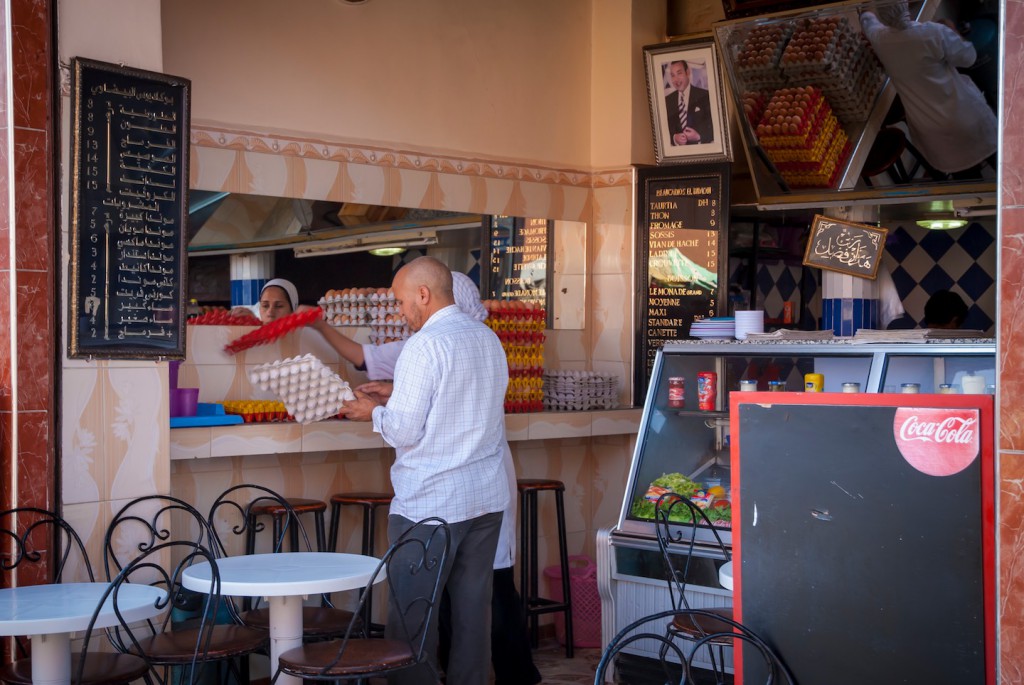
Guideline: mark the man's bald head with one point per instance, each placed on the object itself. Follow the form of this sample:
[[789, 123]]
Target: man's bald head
[[422, 287]]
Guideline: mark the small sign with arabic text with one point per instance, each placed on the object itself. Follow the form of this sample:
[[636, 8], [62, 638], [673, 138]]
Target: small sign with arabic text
[[844, 246]]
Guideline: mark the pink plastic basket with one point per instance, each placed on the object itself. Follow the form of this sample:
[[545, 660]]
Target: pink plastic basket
[[586, 602]]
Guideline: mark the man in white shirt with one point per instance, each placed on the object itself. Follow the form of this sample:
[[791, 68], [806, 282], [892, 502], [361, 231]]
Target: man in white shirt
[[445, 419]]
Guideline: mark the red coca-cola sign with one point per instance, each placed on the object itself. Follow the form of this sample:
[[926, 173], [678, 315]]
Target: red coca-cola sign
[[936, 441]]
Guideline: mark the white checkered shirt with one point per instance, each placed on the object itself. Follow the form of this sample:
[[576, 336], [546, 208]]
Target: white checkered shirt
[[446, 419]]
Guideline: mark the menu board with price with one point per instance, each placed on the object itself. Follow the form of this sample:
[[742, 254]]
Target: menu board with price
[[519, 259], [129, 212], [682, 219]]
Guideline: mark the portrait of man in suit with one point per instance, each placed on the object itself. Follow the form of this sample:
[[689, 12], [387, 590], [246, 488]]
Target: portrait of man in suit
[[687, 108]]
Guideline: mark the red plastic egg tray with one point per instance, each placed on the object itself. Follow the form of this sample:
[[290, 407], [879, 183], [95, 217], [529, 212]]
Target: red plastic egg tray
[[270, 332]]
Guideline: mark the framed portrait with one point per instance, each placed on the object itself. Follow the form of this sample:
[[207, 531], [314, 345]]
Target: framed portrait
[[688, 112]]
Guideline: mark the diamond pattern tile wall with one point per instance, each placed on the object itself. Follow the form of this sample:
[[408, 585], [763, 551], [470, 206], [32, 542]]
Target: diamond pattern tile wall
[[921, 261]]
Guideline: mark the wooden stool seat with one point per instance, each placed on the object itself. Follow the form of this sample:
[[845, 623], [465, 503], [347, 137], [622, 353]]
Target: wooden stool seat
[[529, 586], [369, 501], [278, 513]]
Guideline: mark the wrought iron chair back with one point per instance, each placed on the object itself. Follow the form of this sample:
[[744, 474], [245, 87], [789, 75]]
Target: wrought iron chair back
[[677, 665], [232, 509], [150, 568], [418, 557], [677, 521]]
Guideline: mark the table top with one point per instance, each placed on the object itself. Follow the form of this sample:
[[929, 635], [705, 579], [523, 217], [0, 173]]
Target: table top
[[725, 575], [68, 607], [284, 574]]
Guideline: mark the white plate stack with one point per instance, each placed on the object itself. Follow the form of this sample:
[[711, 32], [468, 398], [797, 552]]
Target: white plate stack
[[714, 328], [749, 322], [579, 390]]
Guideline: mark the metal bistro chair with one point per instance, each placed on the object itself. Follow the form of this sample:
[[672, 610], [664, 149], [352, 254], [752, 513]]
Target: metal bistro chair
[[677, 521], [415, 560], [766, 666], [193, 649], [141, 526], [38, 535], [229, 514]]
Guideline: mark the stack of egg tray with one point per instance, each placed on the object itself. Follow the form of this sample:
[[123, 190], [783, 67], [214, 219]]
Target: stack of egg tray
[[257, 411], [813, 157], [760, 71], [566, 390], [377, 309], [310, 391], [849, 74], [520, 328]]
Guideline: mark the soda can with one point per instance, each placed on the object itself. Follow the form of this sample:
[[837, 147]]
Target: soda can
[[814, 382], [676, 392], [707, 389], [787, 312]]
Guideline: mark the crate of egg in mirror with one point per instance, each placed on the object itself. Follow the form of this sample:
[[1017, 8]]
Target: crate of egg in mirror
[[566, 390], [309, 390], [373, 307], [520, 328]]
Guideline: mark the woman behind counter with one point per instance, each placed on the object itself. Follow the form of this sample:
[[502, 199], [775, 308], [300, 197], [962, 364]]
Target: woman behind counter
[[278, 299]]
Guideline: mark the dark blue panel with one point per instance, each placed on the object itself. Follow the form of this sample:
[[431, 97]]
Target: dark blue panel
[[977, 319], [975, 282], [903, 281], [937, 243], [975, 240], [936, 279], [899, 243], [786, 284]]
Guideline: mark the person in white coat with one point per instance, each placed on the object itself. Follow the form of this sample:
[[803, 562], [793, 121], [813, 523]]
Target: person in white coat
[[949, 120]]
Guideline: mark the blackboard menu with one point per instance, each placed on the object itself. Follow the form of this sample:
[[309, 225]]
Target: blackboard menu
[[682, 222], [520, 262], [129, 212], [844, 246]]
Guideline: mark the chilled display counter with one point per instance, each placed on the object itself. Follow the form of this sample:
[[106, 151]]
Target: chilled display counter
[[686, 434]]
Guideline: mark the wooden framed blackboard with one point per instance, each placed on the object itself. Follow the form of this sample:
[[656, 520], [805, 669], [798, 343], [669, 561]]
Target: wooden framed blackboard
[[682, 231], [520, 260], [863, 535], [844, 246], [129, 212]]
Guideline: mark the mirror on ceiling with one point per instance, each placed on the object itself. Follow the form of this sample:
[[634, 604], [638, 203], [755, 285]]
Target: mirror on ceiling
[[322, 245]]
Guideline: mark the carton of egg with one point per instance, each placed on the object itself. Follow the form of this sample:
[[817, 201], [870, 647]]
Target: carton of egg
[[309, 390]]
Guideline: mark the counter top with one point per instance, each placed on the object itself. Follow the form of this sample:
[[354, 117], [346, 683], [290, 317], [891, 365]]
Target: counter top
[[204, 442]]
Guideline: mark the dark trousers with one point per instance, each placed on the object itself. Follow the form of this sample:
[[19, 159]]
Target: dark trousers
[[510, 644], [468, 579]]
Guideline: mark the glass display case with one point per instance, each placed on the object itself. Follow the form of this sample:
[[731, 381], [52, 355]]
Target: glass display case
[[684, 441]]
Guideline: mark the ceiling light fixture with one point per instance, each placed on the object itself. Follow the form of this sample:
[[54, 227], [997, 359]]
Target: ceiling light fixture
[[941, 224], [387, 251], [396, 240]]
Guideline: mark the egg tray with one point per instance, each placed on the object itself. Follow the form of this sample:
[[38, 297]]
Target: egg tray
[[310, 391], [269, 332]]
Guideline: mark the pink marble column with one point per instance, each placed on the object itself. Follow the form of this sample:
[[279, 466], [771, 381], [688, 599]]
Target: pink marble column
[[1011, 354], [27, 334]]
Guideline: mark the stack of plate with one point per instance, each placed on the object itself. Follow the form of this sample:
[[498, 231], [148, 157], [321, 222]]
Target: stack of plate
[[749, 322], [714, 328], [566, 390]]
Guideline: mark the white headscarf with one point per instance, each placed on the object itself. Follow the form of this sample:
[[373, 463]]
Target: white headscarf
[[896, 15], [287, 286], [467, 296]]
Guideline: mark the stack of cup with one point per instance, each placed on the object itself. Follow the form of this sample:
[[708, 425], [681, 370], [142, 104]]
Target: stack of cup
[[749, 322]]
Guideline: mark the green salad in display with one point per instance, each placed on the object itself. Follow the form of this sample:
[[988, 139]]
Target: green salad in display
[[712, 501]]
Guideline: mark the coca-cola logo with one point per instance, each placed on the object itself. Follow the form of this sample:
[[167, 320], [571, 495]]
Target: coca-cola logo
[[938, 442]]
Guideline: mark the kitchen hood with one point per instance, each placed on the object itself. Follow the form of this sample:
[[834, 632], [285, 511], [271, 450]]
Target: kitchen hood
[[230, 223]]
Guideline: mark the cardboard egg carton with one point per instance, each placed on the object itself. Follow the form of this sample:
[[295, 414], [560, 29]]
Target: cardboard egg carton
[[310, 390]]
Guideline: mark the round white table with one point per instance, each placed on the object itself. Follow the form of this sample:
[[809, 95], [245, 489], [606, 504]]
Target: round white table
[[48, 614], [284, 579], [725, 575]]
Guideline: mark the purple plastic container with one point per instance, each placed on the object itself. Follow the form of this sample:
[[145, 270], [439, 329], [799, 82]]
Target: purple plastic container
[[184, 401], [172, 374]]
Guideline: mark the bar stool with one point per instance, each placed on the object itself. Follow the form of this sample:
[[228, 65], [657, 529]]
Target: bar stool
[[369, 501], [279, 513], [533, 603]]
